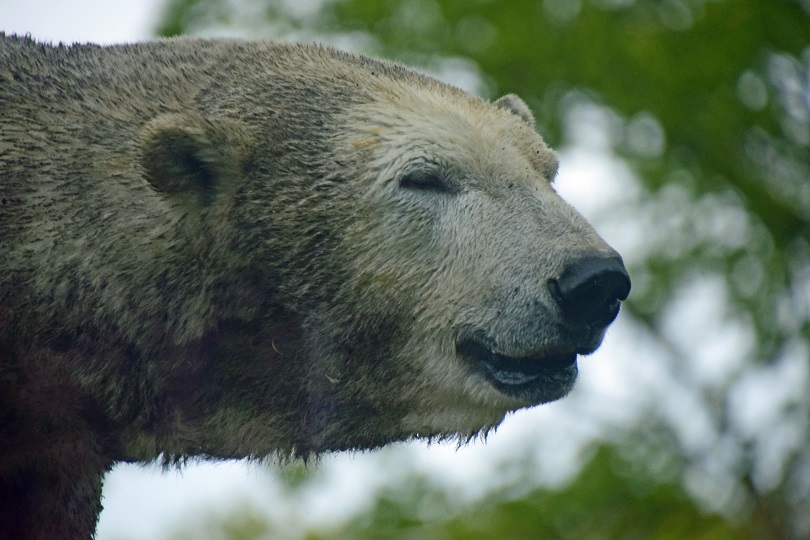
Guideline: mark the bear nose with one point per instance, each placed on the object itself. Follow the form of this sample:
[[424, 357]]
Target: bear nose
[[590, 289]]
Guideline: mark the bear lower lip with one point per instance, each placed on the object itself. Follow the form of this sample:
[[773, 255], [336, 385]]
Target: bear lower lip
[[538, 379]]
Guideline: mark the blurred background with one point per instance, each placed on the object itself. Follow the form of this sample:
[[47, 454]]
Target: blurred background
[[683, 128]]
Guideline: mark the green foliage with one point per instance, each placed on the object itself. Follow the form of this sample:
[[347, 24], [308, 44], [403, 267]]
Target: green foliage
[[610, 498], [245, 524], [605, 501]]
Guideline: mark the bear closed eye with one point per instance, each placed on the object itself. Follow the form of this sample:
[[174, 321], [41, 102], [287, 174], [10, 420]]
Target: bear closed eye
[[425, 180]]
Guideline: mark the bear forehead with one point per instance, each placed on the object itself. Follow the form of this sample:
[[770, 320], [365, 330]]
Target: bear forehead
[[423, 122]]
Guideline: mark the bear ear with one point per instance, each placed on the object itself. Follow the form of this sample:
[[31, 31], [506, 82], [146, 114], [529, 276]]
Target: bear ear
[[516, 106], [191, 157]]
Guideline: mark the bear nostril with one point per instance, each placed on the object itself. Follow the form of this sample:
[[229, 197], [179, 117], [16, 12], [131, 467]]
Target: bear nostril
[[590, 289]]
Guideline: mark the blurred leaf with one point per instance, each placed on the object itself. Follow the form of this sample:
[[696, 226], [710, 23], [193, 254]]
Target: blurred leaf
[[611, 498]]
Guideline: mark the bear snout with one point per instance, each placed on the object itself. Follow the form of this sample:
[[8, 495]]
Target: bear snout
[[591, 289]]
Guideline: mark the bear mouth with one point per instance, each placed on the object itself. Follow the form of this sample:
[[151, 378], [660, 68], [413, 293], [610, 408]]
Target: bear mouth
[[537, 378]]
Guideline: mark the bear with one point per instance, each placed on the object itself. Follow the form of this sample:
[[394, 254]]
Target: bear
[[230, 249]]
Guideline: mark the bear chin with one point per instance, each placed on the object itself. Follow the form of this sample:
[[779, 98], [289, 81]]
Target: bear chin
[[535, 378]]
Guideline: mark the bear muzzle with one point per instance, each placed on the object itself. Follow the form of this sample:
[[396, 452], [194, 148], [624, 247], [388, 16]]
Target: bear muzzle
[[588, 294], [590, 290]]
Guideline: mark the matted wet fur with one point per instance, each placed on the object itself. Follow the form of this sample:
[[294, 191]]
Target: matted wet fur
[[229, 249]]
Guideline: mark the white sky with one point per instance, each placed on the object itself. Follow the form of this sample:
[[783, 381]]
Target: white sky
[[70, 21]]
